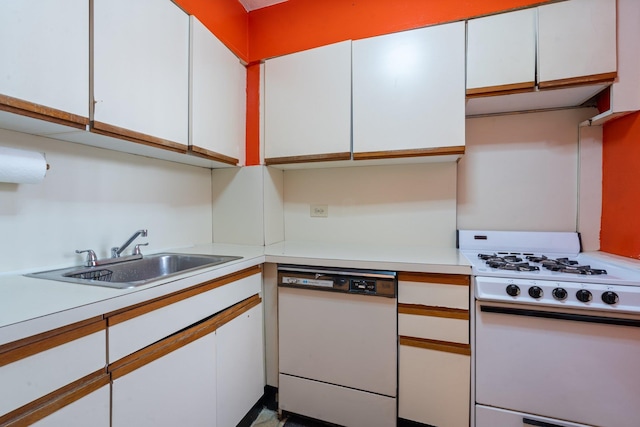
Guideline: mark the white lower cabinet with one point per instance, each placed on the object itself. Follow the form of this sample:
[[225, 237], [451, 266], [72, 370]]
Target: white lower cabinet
[[91, 410], [434, 380], [43, 374], [434, 386], [192, 358], [210, 374], [240, 361], [176, 389]]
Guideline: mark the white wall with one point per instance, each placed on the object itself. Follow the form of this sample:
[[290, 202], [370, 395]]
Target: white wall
[[399, 204], [521, 172], [95, 198]]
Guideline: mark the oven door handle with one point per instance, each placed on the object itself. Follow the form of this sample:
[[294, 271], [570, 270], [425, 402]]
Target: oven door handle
[[560, 316], [530, 422]]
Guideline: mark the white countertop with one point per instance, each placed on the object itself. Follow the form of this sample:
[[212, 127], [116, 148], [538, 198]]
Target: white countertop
[[30, 306], [381, 257]]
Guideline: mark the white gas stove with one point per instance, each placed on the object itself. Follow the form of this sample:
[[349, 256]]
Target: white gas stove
[[556, 332], [547, 268]]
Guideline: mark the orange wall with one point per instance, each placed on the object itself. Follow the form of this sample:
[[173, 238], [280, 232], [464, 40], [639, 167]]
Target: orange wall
[[296, 25], [620, 232], [227, 19]]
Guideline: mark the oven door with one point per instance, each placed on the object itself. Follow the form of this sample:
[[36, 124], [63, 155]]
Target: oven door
[[565, 365]]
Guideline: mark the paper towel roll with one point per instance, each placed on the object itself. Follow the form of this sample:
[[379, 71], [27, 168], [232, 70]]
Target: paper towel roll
[[21, 166]]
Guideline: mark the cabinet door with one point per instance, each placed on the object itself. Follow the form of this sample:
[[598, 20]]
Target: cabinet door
[[308, 105], [434, 386], [576, 42], [218, 98], [501, 52], [141, 70], [91, 410], [409, 91], [44, 48], [240, 359], [178, 389]]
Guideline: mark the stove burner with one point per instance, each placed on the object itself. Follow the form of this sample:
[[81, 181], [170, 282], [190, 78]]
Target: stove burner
[[566, 265], [507, 262], [512, 262]]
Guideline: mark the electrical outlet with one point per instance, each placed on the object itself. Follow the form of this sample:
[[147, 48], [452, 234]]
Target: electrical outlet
[[319, 211]]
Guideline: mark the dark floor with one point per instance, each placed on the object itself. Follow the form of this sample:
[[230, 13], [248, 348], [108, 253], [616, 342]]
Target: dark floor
[[296, 421]]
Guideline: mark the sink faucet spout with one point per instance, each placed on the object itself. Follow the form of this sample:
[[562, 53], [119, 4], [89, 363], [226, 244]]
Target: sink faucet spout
[[117, 250]]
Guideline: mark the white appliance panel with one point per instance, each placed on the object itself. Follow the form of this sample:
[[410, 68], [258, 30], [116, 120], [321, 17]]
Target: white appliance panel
[[339, 405], [563, 369], [494, 417], [339, 338]]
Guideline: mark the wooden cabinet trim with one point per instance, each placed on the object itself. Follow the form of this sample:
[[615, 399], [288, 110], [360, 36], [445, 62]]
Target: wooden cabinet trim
[[328, 157], [577, 81], [137, 137], [155, 351], [127, 313], [438, 278], [37, 111], [56, 400], [445, 346], [422, 152], [212, 155], [29, 346], [423, 310], [498, 90]]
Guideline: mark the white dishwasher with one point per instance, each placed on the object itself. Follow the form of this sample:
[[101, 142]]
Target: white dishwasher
[[338, 344]]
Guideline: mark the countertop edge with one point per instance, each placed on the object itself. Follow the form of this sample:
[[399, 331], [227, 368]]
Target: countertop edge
[[298, 253]]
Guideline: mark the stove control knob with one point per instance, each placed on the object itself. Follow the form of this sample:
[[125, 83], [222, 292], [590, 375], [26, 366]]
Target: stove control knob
[[513, 290], [610, 297], [535, 292], [584, 295], [559, 294]]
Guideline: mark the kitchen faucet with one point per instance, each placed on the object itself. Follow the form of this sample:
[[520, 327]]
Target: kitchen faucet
[[117, 250]]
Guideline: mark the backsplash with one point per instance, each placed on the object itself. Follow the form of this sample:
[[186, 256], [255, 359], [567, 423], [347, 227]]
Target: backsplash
[[528, 172], [397, 205], [95, 199]]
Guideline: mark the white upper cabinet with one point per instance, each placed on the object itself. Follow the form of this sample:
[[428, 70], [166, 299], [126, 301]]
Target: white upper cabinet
[[409, 93], [44, 51], [141, 71], [218, 98], [501, 52], [576, 42], [308, 105]]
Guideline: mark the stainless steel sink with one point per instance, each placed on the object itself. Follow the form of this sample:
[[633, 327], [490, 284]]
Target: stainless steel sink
[[129, 274]]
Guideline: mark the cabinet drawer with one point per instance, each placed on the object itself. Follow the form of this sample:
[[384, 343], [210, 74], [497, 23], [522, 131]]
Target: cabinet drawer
[[433, 327], [434, 386], [434, 290], [42, 366], [139, 326]]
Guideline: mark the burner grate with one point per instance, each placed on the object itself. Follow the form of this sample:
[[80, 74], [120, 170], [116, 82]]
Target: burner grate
[[513, 262]]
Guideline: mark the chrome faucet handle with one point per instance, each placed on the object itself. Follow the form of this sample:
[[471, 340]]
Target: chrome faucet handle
[[92, 259], [136, 249]]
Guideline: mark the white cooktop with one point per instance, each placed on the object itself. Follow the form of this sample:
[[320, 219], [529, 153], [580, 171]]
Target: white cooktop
[[522, 246]]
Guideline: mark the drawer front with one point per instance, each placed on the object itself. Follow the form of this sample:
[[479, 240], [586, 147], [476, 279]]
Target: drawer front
[[434, 328], [40, 373], [434, 387], [433, 294], [126, 337]]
